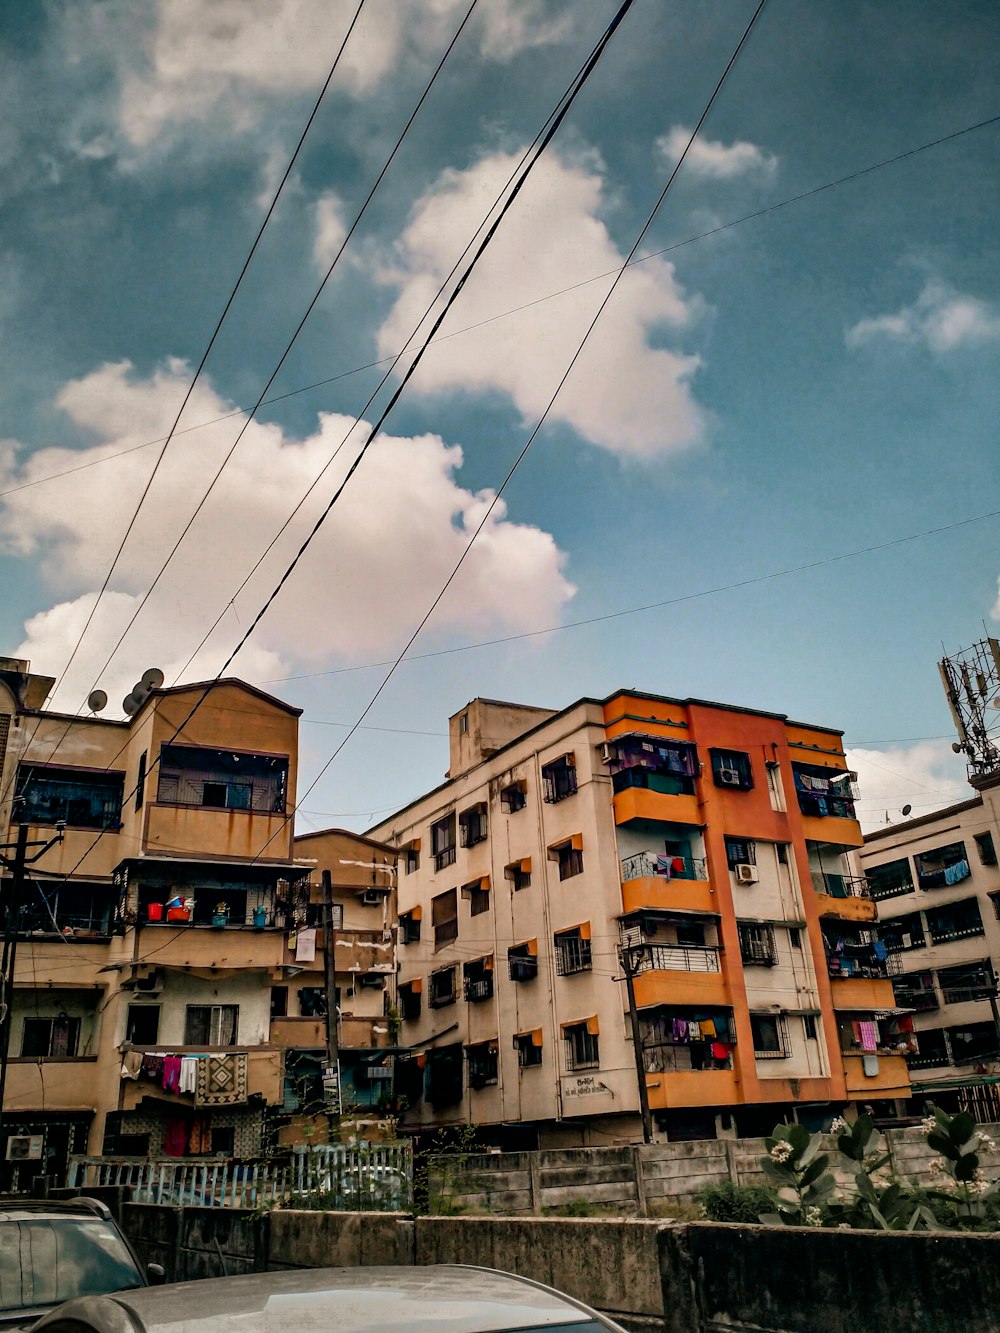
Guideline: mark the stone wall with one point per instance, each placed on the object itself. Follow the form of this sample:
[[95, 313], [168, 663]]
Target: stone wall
[[197, 1242]]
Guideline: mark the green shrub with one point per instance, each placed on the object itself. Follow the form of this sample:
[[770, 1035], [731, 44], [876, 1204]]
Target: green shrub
[[734, 1203]]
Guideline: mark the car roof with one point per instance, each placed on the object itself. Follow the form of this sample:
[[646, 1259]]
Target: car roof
[[367, 1300], [17, 1209]]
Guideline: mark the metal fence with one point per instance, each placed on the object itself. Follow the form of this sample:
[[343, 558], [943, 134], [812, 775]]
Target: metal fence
[[374, 1177]]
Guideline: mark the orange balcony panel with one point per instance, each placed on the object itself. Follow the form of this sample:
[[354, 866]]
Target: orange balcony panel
[[862, 993], [55, 1084], [701, 1087], [680, 988], [678, 895], [640, 803], [828, 828], [892, 1079], [847, 909], [306, 1034]]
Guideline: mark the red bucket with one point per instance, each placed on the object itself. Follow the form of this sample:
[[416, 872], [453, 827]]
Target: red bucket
[[154, 911]]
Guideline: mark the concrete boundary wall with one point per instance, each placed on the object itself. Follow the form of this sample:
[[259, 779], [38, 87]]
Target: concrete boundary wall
[[642, 1181]]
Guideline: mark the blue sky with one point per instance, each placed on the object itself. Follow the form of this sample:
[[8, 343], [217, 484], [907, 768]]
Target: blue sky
[[810, 382]]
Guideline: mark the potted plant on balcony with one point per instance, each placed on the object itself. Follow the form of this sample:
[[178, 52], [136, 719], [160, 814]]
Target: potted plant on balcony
[[220, 914]]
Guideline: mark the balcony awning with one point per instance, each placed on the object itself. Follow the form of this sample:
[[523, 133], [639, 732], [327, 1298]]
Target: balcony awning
[[593, 1026], [412, 846], [415, 913], [575, 841], [416, 986], [529, 946], [534, 1034]]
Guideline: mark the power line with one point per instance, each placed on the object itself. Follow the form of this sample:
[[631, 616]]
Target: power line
[[654, 606], [514, 310], [544, 139], [558, 389]]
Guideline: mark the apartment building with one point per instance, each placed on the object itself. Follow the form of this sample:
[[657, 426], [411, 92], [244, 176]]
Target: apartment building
[[702, 848], [936, 883], [159, 944]]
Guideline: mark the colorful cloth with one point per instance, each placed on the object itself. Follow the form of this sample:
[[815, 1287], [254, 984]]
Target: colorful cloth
[[131, 1064], [222, 1080], [869, 1036], [171, 1072], [189, 1074], [175, 1138]]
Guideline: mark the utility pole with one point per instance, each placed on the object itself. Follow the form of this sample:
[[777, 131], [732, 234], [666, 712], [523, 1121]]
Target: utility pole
[[331, 1073], [17, 864], [626, 955]]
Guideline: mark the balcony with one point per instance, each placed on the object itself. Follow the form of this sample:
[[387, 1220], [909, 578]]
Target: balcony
[[861, 961], [644, 803], [265, 1076], [572, 955], [891, 1080], [197, 830], [840, 886], [646, 885], [677, 974], [702, 1087], [643, 864]]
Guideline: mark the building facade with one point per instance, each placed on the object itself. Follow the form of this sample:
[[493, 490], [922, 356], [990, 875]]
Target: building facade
[[936, 883], [702, 849], [158, 945]]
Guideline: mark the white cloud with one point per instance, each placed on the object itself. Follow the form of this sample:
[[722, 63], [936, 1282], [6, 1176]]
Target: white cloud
[[716, 160], [361, 588], [627, 392], [940, 318], [225, 61], [926, 776], [328, 219]]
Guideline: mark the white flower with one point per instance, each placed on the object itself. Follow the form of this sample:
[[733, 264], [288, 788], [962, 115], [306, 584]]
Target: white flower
[[929, 1125], [840, 1126], [937, 1167], [986, 1144], [781, 1152], [813, 1217]]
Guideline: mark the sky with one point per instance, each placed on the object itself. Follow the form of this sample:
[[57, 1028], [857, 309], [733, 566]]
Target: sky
[[781, 382]]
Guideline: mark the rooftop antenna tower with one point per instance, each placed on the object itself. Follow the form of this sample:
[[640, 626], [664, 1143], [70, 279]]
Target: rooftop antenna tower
[[971, 679]]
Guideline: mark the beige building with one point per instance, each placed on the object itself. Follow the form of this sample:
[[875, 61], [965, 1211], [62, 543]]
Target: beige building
[[158, 1000], [936, 884], [711, 843]]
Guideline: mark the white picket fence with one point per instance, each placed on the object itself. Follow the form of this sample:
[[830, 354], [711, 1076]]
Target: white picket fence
[[366, 1178]]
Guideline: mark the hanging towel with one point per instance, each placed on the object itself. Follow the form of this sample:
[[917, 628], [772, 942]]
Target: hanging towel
[[869, 1036], [708, 1027], [880, 951], [171, 1072], [959, 871], [189, 1074], [131, 1064], [720, 1050], [305, 946], [869, 1066], [152, 1066], [175, 1138], [694, 1031], [663, 865]]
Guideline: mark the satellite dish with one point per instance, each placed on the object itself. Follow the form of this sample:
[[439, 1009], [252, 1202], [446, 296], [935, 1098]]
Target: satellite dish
[[140, 692], [97, 700], [956, 747], [153, 678], [906, 809], [130, 704]]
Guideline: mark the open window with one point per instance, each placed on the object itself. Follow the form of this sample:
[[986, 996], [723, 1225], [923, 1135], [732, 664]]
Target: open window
[[444, 917], [410, 995], [409, 926], [582, 1044], [443, 841], [513, 797], [472, 825], [443, 990], [568, 854], [529, 1048], [559, 778], [478, 895], [519, 873], [522, 961], [573, 950], [79, 797], [483, 1063], [479, 979]]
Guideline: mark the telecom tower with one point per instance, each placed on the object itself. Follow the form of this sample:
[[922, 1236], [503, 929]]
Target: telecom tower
[[971, 679]]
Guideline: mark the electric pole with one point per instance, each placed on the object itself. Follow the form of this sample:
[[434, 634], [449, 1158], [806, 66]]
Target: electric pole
[[625, 953], [13, 906], [331, 1073]]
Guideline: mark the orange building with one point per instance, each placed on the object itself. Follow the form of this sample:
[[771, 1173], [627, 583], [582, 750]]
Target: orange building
[[701, 848]]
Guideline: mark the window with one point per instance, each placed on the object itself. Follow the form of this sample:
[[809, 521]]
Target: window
[[409, 999], [809, 1027], [757, 947], [915, 990], [73, 796], [573, 951], [444, 917], [652, 763], [483, 1064], [444, 1075], [140, 781], [569, 855], [903, 932], [559, 778], [50, 1038], [973, 1042], [312, 1002], [942, 867], [211, 1024], [770, 1036], [781, 851], [740, 851], [223, 1140], [409, 926], [472, 825], [70, 907], [410, 855], [463, 724], [142, 1024], [223, 780], [984, 846], [522, 961], [795, 937], [932, 1049], [529, 1048], [279, 1002], [967, 981], [513, 798], [443, 842], [822, 790], [775, 789], [889, 880], [479, 979], [519, 874], [442, 988], [582, 1047], [956, 921], [731, 768], [478, 894], [691, 934]]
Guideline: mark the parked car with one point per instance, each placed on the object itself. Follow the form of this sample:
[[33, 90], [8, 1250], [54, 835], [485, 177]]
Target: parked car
[[52, 1252], [335, 1300]]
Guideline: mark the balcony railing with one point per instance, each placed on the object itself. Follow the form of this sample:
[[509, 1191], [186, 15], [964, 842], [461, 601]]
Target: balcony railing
[[945, 933], [840, 886], [675, 958], [522, 968], [641, 864], [861, 964], [573, 955], [478, 989]]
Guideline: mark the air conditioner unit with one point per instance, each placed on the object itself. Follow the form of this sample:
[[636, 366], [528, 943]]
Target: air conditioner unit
[[729, 777], [373, 897], [373, 981], [746, 873], [25, 1148]]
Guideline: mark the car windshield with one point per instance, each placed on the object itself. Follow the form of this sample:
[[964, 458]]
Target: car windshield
[[46, 1261]]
